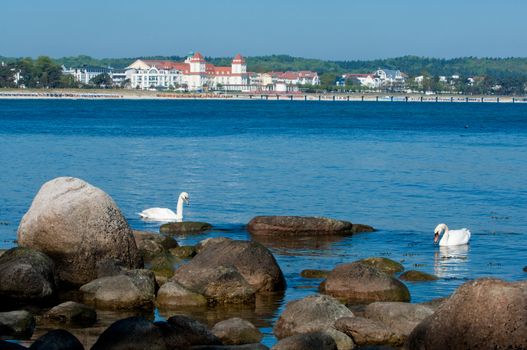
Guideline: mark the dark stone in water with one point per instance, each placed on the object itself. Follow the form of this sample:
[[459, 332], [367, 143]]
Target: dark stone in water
[[73, 313], [303, 225], [5, 345], [307, 341], [184, 252], [182, 332], [417, 276], [133, 333], [58, 339], [16, 325], [525, 269], [314, 273], [184, 228], [385, 265]]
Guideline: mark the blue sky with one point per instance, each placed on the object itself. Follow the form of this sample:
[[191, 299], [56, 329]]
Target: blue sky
[[330, 29]]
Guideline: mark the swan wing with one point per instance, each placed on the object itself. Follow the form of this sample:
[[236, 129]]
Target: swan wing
[[458, 237], [157, 213]]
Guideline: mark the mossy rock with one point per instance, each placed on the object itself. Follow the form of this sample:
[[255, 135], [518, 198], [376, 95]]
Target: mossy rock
[[314, 273], [385, 265], [184, 252], [184, 228], [163, 265], [417, 276]]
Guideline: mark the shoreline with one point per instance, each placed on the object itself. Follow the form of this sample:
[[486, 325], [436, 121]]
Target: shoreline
[[333, 97]]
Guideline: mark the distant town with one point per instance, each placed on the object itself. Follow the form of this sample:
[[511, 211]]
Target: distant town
[[195, 73]]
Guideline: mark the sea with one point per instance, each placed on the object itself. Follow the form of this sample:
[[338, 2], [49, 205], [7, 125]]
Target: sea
[[400, 167]]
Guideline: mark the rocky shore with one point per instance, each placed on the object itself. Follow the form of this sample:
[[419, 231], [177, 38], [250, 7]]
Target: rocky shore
[[81, 278]]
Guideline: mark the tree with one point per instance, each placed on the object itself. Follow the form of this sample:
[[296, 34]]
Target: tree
[[103, 80], [47, 73], [7, 75]]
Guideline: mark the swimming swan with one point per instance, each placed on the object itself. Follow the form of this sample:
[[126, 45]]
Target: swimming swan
[[165, 214], [452, 237]]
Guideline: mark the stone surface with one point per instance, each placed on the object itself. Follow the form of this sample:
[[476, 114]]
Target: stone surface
[[73, 313], [184, 228], [385, 265], [172, 295], [364, 331], [481, 314], [343, 341], [236, 331], [359, 283], [58, 339], [256, 346], [184, 252], [77, 225], [133, 289], [16, 324], [6, 345], [400, 317], [26, 276], [302, 225], [252, 260], [308, 341], [417, 276], [152, 244], [312, 313], [314, 273], [182, 332], [133, 333], [162, 266]]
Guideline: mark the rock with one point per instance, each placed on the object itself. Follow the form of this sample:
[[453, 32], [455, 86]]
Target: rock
[[58, 339], [481, 314], [181, 332], [131, 290], [106, 268], [257, 346], [172, 295], [314, 273], [361, 284], [400, 317], [208, 242], [184, 228], [219, 285], [308, 341], [184, 252], [316, 312], [153, 244], [385, 265], [77, 225], [16, 325], [364, 331], [416, 276], [73, 313], [26, 276], [5, 345], [236, 331], [343, 341], [302, 225], [434, 304], [162, 266], [133, 333], [525, 269]]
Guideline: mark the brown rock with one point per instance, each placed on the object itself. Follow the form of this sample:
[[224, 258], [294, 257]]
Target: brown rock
[[236, 331], [172, 295], [307, 341], [385, 265], [399, 317], [314, 273], [417, 276], [73, 313], [302, 225], [368, 332]]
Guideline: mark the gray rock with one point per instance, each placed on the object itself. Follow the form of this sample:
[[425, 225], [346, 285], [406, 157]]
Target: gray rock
[[482, 314], [385, 265], [184, 252], [16, 325], [364, 331], [400, 317], [73, 313], [58, 339], [133, 333], [308, 341], [182, 332], [417, 276], [172, 295], [152, 244], [302, 225], [184, 228], [131, 290], [236, 331], [26, 276], [313, 313], [77, 225], [359, 283]]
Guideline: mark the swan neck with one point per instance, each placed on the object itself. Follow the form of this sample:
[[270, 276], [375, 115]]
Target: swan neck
[[179, 208], [446, 230]]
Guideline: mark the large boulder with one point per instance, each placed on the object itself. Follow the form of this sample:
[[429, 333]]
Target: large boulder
[[133, 333], [481, 314], [26, 276], [130, 290], [72, 313], [400, 317], [364, 331], [77, 225], [58, 339], [182, 332], [303, 225], [236, 331], [172, 295], [252, 260], [357, 283], [16, 324], [307, 341], [385, 265], [313, 313]]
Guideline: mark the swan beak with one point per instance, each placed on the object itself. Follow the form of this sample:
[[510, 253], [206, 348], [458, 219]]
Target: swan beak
[[436, 237], [188, 202]]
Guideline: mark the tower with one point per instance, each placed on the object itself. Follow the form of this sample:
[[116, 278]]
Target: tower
[[238, 65]]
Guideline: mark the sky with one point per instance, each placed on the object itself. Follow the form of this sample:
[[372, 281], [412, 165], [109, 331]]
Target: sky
[[326, 29]]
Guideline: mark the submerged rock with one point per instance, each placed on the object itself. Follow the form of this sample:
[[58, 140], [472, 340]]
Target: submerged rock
[[361, 284], [314, 273], [184, 228], [59, 339], [133, 333], [172, 295], [16, 325], [364, 331], [182, 332], [417, 276], [26, 276], [73, 313], [184, 252], [236, 331], [77, 225], [313, 313], [302, 225], [482, 314], [385, 265], [308, 341]]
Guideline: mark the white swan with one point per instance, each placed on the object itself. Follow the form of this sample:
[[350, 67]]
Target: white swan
[[165, 214], [451, 237]]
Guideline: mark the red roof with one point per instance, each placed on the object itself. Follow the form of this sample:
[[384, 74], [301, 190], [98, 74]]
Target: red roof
[[197, 58], [238, 59]]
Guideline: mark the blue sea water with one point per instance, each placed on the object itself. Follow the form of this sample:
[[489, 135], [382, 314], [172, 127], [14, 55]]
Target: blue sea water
[[401, 167]]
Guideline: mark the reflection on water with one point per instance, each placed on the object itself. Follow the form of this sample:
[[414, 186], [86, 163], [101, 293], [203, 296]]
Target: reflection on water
[[451, 262], [299, 245]]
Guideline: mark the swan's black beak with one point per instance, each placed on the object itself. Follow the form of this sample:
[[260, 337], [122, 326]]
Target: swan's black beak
[[436, 238]]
